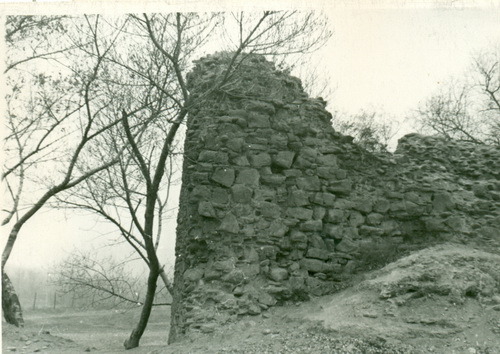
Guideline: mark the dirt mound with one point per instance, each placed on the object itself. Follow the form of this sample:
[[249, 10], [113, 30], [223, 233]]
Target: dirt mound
[[444, 299], [453, 271]]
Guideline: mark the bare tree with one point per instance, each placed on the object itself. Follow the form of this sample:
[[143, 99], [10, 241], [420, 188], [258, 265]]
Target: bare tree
[[369, 129], [468, 109], [143, 88], [100, 280], [55, 123], [34, 38]]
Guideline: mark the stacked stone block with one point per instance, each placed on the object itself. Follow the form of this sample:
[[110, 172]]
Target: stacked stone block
[[277, 207]]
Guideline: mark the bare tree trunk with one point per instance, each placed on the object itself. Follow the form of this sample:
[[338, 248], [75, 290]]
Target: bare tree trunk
[[10, 303], [135, 336]]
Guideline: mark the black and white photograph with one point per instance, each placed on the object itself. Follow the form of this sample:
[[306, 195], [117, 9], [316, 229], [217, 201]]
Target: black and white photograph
[[279, 177]]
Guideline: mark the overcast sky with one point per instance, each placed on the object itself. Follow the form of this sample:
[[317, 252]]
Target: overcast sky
[[394, 58], [383, 57]]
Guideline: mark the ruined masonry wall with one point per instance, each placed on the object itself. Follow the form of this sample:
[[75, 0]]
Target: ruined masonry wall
[[277, 207]]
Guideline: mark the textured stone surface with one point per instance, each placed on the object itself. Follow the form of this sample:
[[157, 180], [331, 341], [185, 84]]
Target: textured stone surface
[[275, 202], [248, 176], [224, 176]]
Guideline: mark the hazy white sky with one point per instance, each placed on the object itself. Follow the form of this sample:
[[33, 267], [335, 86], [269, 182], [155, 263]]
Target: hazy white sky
[[383, 56], [394, 58]]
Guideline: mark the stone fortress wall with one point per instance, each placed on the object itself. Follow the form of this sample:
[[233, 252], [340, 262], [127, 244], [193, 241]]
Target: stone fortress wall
[[276, 206]]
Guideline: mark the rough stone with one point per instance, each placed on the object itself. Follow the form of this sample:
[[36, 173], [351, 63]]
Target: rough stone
[[298, 198], [434, 224], [269, 210], [216, 157], [381, 206], [266, 299], [224, 266], [327, 160], [297, 283], [273, 179], [316, 265], [333, 231], [456, 223], [312, 225], [241, 161], [340, 187], [442, 201], [335, 216], [260, 160], [481, 190], [315, 241], [250, 270], [241, 193], [325, 199], [297, 236], [220, 195], [265, 194], [318, 212], [200, 192], [258, 120], [278, 274], [300, 213], [206, 209], [224, 176], [193, 275], [230, 224], [364, 206], [267, 252], [309, 183], [235, 144], [326, 172], [371, 231], [284, 159], [374, 219], [347, 245], [236, 276], [259, 106], [208, 327], [356, 219], [250, 255], [248, 176], [317, 253], [293, 172], [277, 229]]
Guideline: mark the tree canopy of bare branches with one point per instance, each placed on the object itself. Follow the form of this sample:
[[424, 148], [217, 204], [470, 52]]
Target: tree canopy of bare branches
[[467, 109], [371, 130], [56, 116], [100, 280]]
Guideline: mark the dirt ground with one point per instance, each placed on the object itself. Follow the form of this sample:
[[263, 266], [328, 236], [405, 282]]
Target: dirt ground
[[69, 331], [445, 299]]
